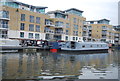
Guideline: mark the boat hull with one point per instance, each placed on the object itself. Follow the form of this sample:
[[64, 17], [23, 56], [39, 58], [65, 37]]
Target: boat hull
[[84, 51]]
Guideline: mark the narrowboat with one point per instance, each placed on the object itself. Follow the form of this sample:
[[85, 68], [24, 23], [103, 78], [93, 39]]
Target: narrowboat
[[84, 46]]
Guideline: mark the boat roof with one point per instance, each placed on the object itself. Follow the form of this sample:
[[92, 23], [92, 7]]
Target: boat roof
[[88, 42]]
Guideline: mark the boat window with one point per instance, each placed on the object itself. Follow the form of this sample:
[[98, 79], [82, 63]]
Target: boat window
[[83, 46], [91, 46], [97, 45], [101, 45]]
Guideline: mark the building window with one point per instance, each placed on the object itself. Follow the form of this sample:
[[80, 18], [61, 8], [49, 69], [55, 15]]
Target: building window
[[67, 25], [104, 27], [37, 28], [3, 24], [91, 22], [11, 4], [31, 27], [75, 27], [5, 14], [97, 45], [22, 26], [74, 20], [22, 17], [3, 34], [40, 10], [21, 34], [75, 33], [73, 38], [66, 38], [67, 32], [32, 19], [38, 20], [37, 36], [30, 35], [32, 9], [59, 24]]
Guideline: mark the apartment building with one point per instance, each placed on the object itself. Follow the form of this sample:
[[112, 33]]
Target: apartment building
[[117, 34], [22, 21], [67, 24], [100, 30]]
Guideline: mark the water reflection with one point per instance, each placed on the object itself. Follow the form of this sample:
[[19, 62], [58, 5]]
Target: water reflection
[[44, 63]]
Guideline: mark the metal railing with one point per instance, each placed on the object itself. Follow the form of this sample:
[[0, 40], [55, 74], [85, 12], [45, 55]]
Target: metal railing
[[59, 26], [4, 26], [6, 18], [85, 29], [49, 24], [49, 31], [59, 32], [104, 33], [104, 28]]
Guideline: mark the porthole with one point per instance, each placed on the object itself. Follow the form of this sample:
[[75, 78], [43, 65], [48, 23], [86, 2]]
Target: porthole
[[83, 46]]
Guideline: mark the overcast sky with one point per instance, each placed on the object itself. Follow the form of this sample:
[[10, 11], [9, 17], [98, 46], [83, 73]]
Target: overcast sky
[[93, 9]]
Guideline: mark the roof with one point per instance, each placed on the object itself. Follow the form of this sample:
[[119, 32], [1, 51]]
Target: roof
[[97, 20], [57, 11], [104, 19], [73, 9], [27, 4]]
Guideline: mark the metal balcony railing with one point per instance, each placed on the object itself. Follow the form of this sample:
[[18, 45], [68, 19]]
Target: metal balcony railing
[[59, 32], [49, 24], [49, 31], [59, 26], [104, 33], [117, 39], [4, 17], [85, 29], [104, 37], [116, 35], [104, 28], [4, 26]]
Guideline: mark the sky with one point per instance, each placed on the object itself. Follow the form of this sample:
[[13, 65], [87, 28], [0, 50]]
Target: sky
[[93, 9]]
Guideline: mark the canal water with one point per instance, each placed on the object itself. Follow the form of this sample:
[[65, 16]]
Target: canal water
[[48, 65]]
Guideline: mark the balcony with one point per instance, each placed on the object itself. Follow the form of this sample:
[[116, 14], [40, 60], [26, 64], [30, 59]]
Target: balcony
[[117, 35], [59, 26], [116, 39], [84, 29], [67, 33], [3, 36], [104, 33], [75, 34], [104, 28], [90, 28], [49, 24], [49, 31], [59, 32], [4, 26], [4, 17], [89, 32], [104, 37], [85, 35], [110, 34]]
